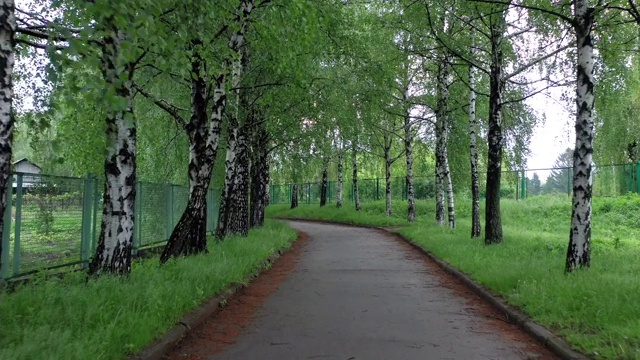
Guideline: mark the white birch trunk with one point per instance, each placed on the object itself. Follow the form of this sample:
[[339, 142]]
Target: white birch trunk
[[325, 182], [113, 253], [473, 150], [189, 235], [387, 174], [493, 220], [235, 44], [450, 204], [7, 60], [579, 251], [294, 196], [441, 137], [408, 148], [239, 216], [340, 180], [354, 164]]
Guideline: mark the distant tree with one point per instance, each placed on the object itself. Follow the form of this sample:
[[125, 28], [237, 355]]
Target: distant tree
[[560, 177], [535, 185]]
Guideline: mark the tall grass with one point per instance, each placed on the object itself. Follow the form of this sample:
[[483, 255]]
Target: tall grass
[[596, 309], [109, 318]]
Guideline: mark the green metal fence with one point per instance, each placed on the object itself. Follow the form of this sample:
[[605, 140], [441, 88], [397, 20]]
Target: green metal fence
[[608, 180], [54, 221], [368, 190]]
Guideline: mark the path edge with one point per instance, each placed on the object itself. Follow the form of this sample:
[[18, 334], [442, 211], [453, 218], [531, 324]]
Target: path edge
[[552, 341], [513, 315], [170, 339]]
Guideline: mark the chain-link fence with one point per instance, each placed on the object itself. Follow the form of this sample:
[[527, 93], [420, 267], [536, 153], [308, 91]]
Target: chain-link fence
[[608, 180], [55, 221]]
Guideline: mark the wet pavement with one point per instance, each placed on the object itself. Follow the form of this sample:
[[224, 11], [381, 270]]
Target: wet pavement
[[362, 294]]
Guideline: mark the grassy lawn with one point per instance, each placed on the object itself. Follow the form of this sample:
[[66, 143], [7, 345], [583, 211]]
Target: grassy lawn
[[56, 243], [595, 310], [110, 318]]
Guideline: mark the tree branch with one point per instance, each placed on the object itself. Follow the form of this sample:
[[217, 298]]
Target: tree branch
[[172, 110]]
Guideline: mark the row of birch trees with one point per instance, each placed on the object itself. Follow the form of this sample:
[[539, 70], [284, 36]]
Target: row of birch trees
[[246, 88], [213, 72], [476, 62]]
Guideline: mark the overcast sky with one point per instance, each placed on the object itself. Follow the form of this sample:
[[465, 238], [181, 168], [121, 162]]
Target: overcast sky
[[553, 136]]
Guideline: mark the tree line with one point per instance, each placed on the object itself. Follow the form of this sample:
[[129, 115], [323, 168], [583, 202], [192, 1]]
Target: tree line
[[242, 92]]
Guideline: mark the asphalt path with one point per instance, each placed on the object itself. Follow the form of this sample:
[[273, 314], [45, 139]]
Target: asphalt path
[[362, 294]]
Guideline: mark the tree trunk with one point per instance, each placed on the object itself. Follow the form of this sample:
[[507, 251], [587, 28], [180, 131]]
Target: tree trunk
[[259, 177], [493, 222], [325, 183], [189, 235], [340, 180], [441, 136], [229, 181], [354, 163], [408, 148], [267, 188], [475, 188], [294, 196], [113, 252], [234, 148], [239, 198], [579, 249], [7, 60], [450, 204], [387, 173]]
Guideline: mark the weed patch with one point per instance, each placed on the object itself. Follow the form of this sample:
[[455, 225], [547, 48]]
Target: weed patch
[[110, 318]]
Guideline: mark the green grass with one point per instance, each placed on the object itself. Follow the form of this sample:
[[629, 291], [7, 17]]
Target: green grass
[[596, 310], [370, 215], [110, 318]]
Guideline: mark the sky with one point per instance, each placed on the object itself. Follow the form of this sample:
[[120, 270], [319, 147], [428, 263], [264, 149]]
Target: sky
[[552, 136]]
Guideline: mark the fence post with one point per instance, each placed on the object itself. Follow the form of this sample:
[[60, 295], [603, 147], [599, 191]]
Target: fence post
[[523, 187], [137, 218], [18, 226], [6, 231], [377, 189], [96, 201], [210, 211], [85, 233], [308, 193], [638, 177], [169, 208], [569, 175]]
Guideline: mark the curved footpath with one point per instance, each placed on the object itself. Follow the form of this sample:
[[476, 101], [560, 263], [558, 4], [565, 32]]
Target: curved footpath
[[362, 294]]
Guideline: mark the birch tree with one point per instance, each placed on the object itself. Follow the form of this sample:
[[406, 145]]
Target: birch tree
[[113, 252], [236, 160], [579, 249], [473, 152], [208, 83], [499, 36], [443, 173], [7, 59]]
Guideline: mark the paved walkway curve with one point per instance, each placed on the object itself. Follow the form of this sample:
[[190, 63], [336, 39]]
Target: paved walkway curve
[[361, 294]]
